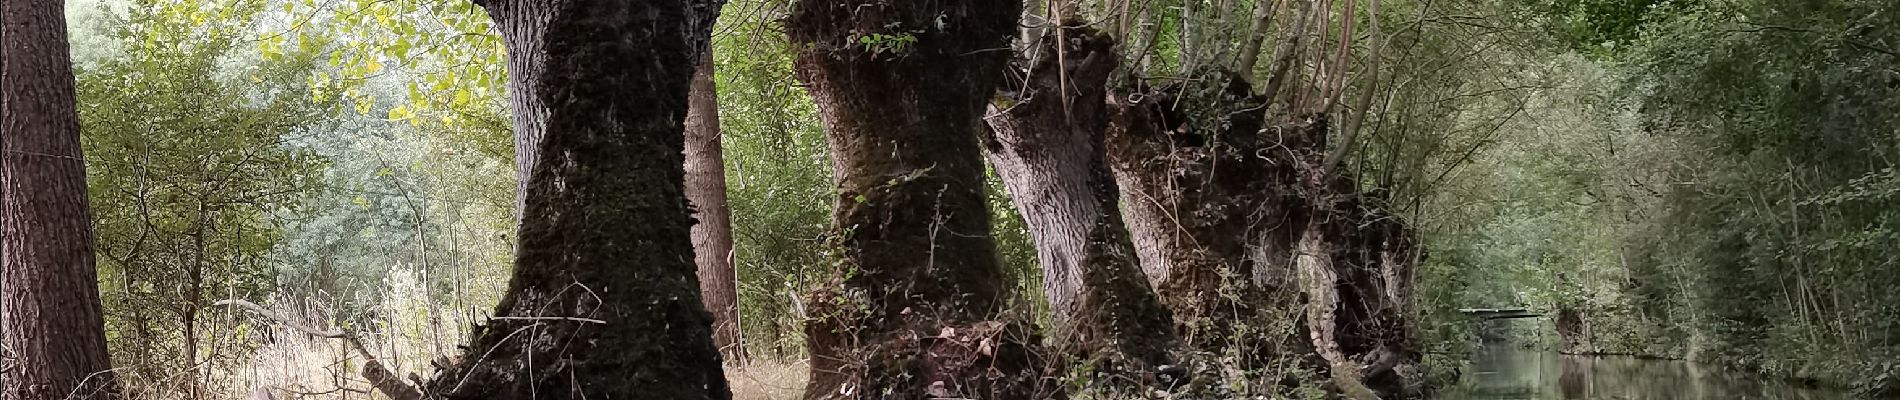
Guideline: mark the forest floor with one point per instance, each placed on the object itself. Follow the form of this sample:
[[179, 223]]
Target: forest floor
[[767, 380]]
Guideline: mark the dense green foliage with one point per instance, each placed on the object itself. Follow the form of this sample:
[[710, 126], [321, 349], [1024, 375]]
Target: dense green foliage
[[189, 176], [1719, 190], [1776, 226]]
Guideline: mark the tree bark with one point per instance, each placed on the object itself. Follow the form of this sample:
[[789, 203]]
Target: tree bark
[[1229, 218], [912, 311], [1315, 261], [53, 326], [523, 36], [712, 232], [1046, 144], [604, 300], [1357, 263], [1197, 186], [1263, 14]]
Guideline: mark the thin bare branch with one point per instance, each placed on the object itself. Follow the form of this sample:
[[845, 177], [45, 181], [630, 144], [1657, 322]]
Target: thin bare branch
[[1357, 115], [1283, 62], [1263, 14]]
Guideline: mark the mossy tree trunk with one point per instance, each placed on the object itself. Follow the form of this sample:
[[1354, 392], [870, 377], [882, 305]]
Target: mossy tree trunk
[[604, 301], [51, 323], [1237, 230], [913, 310], [1201, 180], [1046, 144]]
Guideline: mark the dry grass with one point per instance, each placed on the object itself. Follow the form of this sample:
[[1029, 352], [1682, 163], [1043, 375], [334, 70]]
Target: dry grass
[[767, 380], [245, 353], [407, 333]]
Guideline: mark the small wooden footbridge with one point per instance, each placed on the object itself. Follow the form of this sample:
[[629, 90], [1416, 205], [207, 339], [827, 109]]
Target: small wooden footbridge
[[1487, 314]]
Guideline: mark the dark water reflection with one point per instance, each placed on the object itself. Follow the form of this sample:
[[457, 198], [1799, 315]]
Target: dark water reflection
[[1502, 372]]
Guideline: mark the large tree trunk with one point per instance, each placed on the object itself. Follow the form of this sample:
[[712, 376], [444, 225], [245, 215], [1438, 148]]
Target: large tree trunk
[[604, 301], [901, 87], [52, 321], [1233, 216], [1046, 145], [712, 234], [1200, 181]]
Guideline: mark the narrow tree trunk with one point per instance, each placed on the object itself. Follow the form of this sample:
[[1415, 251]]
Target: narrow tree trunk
[[712, 234], [193, 297], [1046, 144], [1263, 14], [1035, 22], [901, 87], [604, 300], [52, 321], [1356, 116]]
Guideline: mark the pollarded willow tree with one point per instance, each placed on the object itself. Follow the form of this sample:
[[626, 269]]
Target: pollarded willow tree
[[913, 311], [1045, 139], [1236, 202]]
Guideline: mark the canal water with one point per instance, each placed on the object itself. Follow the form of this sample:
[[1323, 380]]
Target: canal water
[[1510, 373]]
